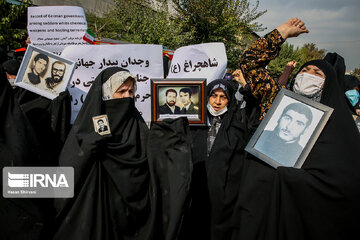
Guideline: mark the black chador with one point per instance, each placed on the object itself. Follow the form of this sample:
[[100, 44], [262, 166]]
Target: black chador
[[126, 187]]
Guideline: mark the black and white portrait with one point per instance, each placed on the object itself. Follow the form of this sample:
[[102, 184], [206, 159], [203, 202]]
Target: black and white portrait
[[37, 68], [101, 124], [282, 143], [57, 74], [44, 73], [288, 131]]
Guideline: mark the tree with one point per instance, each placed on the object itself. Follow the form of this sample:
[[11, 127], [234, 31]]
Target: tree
[[310, 52], [136, 21], [356, 72], [178, 23], [12, 29], [288, 53], [227, 21]]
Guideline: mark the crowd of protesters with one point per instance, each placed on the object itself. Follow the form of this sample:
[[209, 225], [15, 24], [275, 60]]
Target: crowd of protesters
[[175, 181]]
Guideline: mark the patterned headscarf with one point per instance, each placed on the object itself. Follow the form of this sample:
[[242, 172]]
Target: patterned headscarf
[[115, 81]]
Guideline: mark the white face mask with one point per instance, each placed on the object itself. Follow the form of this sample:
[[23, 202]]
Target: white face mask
[[307, 84], [215, 113]]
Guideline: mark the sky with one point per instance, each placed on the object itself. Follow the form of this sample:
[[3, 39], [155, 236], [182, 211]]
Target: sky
[[334, 25]]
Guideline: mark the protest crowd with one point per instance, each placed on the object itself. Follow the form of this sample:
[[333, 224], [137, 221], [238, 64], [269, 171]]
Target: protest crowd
[[171, 178]]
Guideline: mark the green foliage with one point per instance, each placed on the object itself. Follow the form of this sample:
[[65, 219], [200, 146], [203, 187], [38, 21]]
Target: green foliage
[[12, 32], [310, 52], [136, 21], [288, 53], [189, 22], [356, 72], [227, 21]]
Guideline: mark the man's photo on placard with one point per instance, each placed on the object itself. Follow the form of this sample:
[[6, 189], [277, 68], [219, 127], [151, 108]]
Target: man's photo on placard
[[282, 141], [169, 106], [189, 101], [37, 68], [178, 98], [289, 130], [44, 73]]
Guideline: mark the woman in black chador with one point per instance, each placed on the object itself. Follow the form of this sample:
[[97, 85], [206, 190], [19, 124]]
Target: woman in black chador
[[116, 178], [20, 218], [217, 149], [320, 200]]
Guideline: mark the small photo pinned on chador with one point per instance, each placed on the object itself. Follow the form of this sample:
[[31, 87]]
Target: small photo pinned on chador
[[289, 130], [101, 124], [44, 73]]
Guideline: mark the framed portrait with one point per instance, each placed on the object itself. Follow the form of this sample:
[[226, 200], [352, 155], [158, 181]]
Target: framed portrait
[[44, 73], [289, 130], [101, 124], [175, 97]]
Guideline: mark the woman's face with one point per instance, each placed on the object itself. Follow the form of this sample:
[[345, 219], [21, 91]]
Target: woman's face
[[125, 90], [314, 70], [218, 99]]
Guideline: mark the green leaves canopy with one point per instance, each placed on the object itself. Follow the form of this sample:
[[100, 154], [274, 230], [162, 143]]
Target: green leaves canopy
[[12, 24]]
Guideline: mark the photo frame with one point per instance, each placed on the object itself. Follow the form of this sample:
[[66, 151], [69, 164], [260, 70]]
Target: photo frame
[[101, 124], [289, 130], [44, 73], [178, 97]]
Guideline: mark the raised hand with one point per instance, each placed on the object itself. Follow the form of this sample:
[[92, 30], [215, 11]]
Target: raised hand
[[292, 28]]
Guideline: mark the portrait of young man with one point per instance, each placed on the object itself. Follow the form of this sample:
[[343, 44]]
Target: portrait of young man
[[38, 68], [282, 144], [188, 106], [102, 126], [169, 107], [57, 74]]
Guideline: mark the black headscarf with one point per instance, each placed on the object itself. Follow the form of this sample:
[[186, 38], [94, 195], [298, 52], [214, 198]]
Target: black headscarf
[[224, 84], [318, 201], [338, 63], [11, 66], [351, 82]]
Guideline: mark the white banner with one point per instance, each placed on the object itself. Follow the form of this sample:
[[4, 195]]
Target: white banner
[[52, 28], [207, 60], [143, 60]]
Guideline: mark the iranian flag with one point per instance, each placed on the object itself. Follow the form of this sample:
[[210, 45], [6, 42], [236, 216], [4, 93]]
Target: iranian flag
[[89, 37]]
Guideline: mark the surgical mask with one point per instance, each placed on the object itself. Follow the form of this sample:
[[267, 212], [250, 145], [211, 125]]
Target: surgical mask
[[307, 84], [353, 95], [215, 113]]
